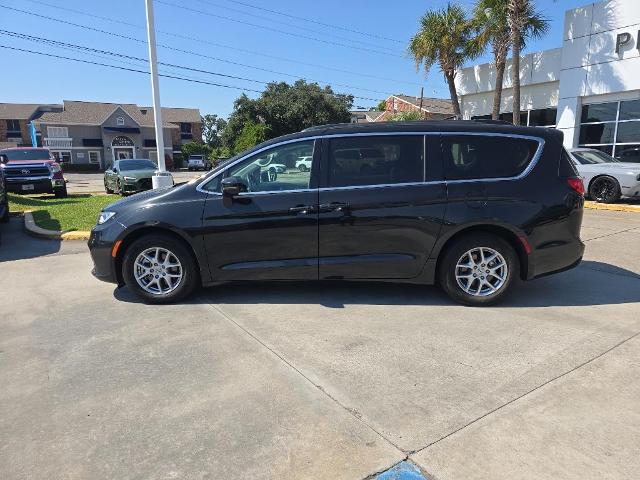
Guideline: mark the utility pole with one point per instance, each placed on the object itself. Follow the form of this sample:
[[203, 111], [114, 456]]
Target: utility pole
[[162, 178], [421, 99]]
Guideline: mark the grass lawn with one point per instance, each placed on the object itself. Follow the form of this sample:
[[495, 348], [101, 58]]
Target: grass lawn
[[76, 212]]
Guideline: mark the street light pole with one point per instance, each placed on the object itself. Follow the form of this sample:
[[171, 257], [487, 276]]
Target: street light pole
[[162, 178]]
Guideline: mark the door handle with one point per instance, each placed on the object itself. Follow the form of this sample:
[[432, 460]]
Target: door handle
[[334, 207], [302, 209]]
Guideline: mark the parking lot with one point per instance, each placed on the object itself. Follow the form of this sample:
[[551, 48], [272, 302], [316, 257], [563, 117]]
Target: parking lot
[[91, 182], [303, 381]]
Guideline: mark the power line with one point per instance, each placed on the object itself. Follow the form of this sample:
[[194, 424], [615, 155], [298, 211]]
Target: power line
[[222, 45], [189, 52], [288, 24], [277, 30], [338, 27]]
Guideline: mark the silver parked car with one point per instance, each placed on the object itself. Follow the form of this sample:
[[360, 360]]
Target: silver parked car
[[606, 179]]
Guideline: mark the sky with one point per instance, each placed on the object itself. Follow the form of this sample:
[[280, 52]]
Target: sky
[[356, 46]]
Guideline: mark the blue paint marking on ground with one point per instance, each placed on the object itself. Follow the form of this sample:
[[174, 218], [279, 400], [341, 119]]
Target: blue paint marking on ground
[[402, 471]]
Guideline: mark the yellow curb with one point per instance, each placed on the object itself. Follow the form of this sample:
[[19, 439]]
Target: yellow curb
[[613, 207], [76, 235]]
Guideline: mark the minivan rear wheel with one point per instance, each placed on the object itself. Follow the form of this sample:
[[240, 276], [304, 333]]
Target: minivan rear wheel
[[159, 269], [478, 269]]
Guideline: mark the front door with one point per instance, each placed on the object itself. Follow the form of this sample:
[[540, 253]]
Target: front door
[[270, 231], [379, 218], [122, 153]]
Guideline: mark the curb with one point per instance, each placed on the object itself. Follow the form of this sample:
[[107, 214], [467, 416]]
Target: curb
[[32, 229], [612, 206]]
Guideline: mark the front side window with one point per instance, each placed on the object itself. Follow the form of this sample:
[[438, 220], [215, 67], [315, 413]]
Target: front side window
[[376, 160], [470, 157], [281, 168]]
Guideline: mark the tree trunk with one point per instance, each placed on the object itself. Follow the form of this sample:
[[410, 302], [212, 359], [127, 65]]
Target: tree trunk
[[454, 95], [500, 59], [515, 21]]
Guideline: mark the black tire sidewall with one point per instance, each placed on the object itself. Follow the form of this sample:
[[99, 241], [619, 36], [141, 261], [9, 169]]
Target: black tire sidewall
[[614, 197], [178, 248], [446, 272]]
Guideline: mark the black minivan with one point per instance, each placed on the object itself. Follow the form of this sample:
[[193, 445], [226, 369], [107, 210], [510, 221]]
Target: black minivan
[[470, 205]]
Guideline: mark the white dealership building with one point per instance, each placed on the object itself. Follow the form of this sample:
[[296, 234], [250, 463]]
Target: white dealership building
[[589, 88]]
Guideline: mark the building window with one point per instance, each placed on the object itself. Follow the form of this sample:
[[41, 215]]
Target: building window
[[120, 121], [13, 128], [153, 156], [541, 117], [185, 131], [94, 157], [58, 132], [613, 127], [62, 156], [122, 141]]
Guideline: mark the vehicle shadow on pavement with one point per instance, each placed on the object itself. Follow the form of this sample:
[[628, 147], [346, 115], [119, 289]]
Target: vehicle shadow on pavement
[[16, 245], [592, 283]]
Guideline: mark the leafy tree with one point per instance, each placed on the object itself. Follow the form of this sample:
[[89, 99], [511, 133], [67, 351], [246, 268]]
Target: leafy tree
[[406, 117], [382, 106], [251, 135], [523, 22], [212, 127], [194, 148], [445, 38], [283, 108]]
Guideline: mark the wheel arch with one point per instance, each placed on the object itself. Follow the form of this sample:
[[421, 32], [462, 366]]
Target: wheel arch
[[600, 175], [144, 230], [503, 232]]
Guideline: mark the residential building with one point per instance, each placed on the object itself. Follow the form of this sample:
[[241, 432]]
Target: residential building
[[92, 135], [15, 119], [589, 88], [430, 108]]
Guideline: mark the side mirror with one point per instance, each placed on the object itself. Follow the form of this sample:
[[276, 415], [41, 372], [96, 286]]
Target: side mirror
[[4, 159], [233, 186]]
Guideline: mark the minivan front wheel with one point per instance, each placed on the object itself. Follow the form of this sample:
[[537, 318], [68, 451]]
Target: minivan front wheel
[[159, 269], [478, 269]]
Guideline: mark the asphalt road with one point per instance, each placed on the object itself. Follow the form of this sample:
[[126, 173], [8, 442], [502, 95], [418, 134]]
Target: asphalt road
[[323, 381]]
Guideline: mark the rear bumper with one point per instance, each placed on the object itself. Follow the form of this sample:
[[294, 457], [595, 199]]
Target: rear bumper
[[555, 259]]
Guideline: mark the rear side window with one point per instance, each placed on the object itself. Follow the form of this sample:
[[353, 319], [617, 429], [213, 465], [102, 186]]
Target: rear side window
[[469, 157], [376, 160]]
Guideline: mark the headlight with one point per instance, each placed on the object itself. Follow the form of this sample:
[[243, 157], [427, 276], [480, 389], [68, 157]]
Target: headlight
[[130, 179], [105, 217], [55, 168]]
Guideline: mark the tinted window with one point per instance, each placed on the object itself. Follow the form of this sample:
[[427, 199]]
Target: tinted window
[[136, 165], [628, 132], [543, 117], [597, 133], [599, 112], [587, 157], [476, 156], [26, 154], [628, 153], [273, 170], [376, 160], [630, 110]]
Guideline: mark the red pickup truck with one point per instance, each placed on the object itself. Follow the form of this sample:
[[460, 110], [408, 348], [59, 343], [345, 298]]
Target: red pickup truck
[[32, 170]]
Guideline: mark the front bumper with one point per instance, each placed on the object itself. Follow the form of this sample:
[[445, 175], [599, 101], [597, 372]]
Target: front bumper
[[101, 242], [35, 185], [138, 186]]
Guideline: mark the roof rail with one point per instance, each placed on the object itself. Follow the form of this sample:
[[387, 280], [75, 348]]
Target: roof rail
[[496, 122]]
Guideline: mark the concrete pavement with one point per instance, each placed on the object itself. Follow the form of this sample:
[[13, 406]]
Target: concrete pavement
[[321, 381]]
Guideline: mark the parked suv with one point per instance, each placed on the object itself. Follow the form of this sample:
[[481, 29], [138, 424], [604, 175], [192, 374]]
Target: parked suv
[[32, 170], [198, 162], [472, 206]]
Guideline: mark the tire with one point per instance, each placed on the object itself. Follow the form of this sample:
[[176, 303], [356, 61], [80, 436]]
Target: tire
[[118, 188], [462, 251], [605, 189], [107, 189], [133, 262], [60, 192], [302, 167]]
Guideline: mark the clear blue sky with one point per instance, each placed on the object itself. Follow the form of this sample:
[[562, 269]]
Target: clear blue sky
[[39, 79]]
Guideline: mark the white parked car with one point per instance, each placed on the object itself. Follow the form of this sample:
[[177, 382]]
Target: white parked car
[[606, 179], [198, 162], [304, 164]]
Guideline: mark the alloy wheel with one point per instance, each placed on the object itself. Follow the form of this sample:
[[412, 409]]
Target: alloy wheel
[[481, 271], [603, 188], [158, 271]]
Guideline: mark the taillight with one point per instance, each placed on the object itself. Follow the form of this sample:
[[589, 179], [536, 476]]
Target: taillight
[[576, 184]]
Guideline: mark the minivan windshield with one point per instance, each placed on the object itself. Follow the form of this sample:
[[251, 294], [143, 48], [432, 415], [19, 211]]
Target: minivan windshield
[[27, 154], [592, 157]]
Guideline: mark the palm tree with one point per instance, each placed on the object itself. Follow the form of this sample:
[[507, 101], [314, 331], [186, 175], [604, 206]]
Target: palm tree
[[519, 15], [444, 38], [491, 20]]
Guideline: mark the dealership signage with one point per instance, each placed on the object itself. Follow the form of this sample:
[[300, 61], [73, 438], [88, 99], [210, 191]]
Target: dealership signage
[[625, 38]]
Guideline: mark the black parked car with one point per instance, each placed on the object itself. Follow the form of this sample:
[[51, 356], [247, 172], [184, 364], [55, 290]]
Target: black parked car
[[472, 206]]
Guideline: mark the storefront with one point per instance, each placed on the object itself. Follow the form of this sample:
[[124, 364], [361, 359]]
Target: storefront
[[589, 88]]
